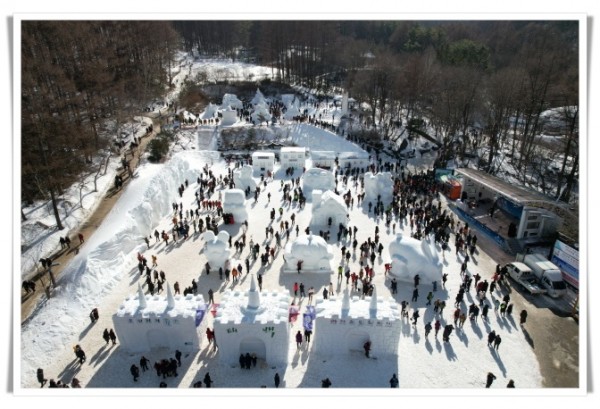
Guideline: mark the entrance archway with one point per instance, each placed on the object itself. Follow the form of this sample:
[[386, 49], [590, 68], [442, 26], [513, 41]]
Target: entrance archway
[[253, 345]]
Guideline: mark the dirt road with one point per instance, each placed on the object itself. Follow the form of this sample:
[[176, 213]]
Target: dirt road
[[32, 301]]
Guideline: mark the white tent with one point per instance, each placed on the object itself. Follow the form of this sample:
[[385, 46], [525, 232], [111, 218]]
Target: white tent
[[263, 161], [327, 206], [314, 253], [292, 156]]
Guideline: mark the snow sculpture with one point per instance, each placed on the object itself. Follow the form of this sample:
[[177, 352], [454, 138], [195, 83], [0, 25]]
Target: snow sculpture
[[209, 112], [259, 98], [233, 202], [328, 205], [380, 184], [292, 111], [261, 114], [242, 177], [254, 323], [216, 248], [229, 116], [231, 100], [411, 256], [144, 322], [287, 99], [314, 253], [315, 178], [343, 325]]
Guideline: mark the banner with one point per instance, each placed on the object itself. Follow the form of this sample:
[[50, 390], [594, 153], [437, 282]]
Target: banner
[[307, 322], [199, 316], [567, 259]]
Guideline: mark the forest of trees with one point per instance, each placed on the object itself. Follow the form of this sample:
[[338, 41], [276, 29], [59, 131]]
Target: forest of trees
[[79, 76]]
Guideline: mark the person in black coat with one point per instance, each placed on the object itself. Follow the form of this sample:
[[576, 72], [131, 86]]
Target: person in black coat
[[490, 379], [106, 335], [207, 380], [135, 371], [40, 377], [523, 316], [113, 336], [178, 357], [277, 380]]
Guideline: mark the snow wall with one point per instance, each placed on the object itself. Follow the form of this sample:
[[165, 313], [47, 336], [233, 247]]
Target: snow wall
[[343, 326], [157, 325], [107, 258], [411, 256], [262, 330]]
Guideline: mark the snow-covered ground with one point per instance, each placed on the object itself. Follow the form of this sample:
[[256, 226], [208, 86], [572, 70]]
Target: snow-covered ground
[[105, 272]]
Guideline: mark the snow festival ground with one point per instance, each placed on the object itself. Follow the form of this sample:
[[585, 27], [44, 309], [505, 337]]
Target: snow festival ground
[[105, 272]]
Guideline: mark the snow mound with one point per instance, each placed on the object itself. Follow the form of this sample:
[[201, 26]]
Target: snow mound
[[231, 100], [216, 248], [316, 178], [233, 202], [243, 179], [314, 253], [411, 256], [328, 205], [379, 185]]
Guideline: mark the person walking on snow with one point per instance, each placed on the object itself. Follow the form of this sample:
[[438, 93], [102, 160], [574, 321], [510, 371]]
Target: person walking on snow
[[490, 379], [367, 348], [298, 339], [437, 327], [113, 336], [497, 342], [106, 335], [427, 329], [277, 379], [394, 381]]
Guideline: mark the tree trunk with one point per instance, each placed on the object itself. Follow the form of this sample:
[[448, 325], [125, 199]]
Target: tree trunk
[[59, 225]]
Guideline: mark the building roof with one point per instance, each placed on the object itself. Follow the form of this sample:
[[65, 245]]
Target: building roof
[[298, 149], [516, 194], [525, 197]]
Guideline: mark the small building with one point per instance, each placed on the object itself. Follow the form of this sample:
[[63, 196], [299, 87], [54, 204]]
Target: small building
[[344, 324], [323, 159], [313, 253], [145, 322], [263, 161], [511, 214], [328, 206], [254, 323], [292, 157], [353, 159]]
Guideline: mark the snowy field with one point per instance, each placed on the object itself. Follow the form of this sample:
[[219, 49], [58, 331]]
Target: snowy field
[[105, 272]]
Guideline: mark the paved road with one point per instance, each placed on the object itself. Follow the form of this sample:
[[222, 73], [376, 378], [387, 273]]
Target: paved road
[[551, 330]]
